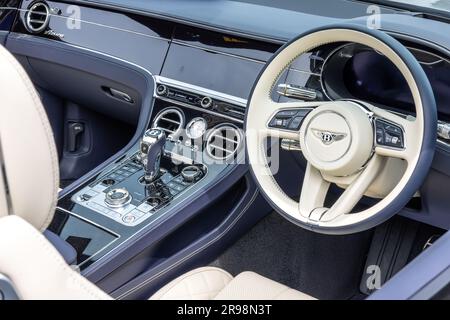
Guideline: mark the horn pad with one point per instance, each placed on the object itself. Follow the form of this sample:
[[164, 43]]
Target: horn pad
[[337, 138]]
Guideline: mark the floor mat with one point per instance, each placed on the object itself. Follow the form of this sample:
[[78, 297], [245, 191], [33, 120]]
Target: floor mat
[[326, 267]]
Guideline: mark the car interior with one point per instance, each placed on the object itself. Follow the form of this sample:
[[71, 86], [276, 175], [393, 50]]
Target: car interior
[[224, 150]]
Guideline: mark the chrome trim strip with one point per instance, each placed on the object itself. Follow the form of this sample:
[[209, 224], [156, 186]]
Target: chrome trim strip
[[103, 26], [443, 143], [306, 72], [171, 18], [439, 58], [22, 36], [202, 91], [202, 248], [420, 41]]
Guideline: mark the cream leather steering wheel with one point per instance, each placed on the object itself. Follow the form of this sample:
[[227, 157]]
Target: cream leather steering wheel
[[339, 139]]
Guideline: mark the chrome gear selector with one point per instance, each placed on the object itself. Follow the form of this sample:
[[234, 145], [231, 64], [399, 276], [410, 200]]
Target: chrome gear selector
[[151, 150]]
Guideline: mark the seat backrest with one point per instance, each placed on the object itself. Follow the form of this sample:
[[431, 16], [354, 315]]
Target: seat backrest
[[30, 174], [35, 268]]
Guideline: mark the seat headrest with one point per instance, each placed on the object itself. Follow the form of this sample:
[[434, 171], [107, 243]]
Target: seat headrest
[[29, 183]]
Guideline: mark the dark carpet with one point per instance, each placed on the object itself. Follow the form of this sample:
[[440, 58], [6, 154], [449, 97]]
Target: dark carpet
[[324, 266]]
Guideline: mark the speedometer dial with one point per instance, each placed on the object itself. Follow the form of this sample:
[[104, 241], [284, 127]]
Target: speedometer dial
[[196, 128]]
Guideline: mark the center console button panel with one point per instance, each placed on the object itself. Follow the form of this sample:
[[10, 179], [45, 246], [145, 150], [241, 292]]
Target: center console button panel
[[126, 197]]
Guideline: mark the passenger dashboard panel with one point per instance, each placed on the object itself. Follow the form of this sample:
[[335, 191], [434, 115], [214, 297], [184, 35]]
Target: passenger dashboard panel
[[143, 41]]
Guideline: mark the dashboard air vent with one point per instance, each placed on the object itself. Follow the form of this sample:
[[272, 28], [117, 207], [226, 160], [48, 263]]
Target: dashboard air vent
[[171, 121], [223, 142], [37, 17]]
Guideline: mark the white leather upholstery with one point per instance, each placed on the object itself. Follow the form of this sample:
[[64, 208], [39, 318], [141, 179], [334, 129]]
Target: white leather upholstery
[[198, 284], [210, 283], [36, 269], [252, 286], [28, 146]]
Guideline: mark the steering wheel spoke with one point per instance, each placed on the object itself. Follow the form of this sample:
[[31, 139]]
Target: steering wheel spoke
[[355, 191], [314, 191]]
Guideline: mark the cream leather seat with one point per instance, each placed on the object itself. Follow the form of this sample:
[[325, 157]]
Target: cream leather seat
[[28, 193], [210, 283]]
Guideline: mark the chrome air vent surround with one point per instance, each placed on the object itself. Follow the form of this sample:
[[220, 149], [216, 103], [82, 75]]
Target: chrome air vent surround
[[223, 141], [37, 17], [171, 121]]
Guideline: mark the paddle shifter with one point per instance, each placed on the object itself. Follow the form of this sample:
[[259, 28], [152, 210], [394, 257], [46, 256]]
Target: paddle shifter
[[151, 150]]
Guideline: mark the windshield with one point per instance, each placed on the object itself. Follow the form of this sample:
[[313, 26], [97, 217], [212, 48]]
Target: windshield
[[439, 5]]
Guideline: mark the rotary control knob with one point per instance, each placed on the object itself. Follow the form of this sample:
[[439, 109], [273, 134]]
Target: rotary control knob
[[161, 90], [117, 198], [191, 173], [206, 102]]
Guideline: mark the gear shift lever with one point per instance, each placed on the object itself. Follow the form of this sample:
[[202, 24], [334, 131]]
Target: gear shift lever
[[151, 150]]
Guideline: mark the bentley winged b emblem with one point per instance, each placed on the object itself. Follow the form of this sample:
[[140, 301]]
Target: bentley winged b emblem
[[328, 137]]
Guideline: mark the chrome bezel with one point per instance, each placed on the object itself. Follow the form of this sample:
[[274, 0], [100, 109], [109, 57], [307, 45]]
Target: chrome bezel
[[44, 23], [192, 122]]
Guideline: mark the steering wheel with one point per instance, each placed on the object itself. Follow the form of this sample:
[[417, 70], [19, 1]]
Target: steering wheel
[[346, 142]]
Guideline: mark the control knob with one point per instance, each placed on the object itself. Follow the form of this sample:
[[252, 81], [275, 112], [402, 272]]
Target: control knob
[[161, 90], [116, 198], [206, 102], [191, 173]]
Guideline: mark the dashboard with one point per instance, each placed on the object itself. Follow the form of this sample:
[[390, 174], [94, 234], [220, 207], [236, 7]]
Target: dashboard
[[229, 64]]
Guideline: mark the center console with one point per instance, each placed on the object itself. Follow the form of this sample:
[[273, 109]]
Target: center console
[[126, 196], [193, 140]]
